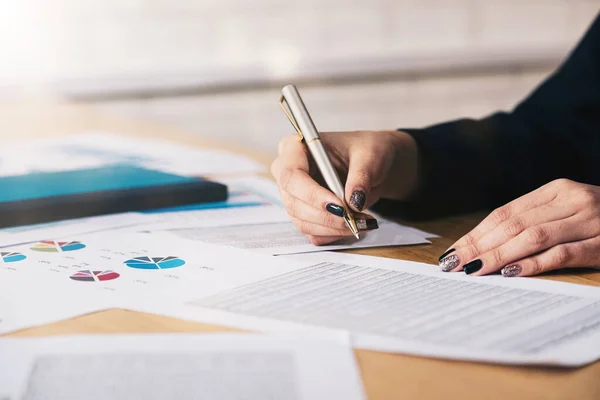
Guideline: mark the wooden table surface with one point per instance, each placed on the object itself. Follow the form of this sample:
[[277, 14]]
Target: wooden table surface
[[385, 376]]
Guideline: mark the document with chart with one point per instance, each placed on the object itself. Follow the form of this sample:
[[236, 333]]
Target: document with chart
[[399, 306], [74, 275], [177, 366]]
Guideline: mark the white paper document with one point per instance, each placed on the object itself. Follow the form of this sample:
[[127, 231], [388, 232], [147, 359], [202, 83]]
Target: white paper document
[[96, 149], [183, 366], [400, 306], [284, 238], [51, 280]]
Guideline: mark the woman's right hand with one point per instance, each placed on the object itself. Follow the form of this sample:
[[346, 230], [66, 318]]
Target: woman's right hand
[[373, 165]]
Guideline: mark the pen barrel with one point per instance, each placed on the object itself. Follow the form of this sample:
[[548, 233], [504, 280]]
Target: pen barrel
[[330, 175], [313, 140], [298, 109]]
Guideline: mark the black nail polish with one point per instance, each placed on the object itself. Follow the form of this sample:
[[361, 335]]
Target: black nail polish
[[335, 209], [357, 200], [445, 254], [473, 266], [372, 224]]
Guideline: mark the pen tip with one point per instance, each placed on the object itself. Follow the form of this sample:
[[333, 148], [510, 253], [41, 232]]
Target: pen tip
[[356, 235]]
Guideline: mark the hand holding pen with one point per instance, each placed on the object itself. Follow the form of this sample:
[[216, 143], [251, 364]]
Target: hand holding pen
[[370, 163]]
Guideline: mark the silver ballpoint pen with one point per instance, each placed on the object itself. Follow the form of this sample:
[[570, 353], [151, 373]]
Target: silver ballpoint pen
[[300, 118]]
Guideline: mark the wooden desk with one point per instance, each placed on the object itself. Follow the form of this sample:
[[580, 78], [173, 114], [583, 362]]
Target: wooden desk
[[386, 376]]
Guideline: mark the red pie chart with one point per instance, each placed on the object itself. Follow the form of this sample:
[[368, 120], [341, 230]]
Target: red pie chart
[[87, 275]]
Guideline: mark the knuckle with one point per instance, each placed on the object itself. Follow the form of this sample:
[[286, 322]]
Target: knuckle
[[562, 183], [561, 255], [501, 214], [513, 227], [536, 267], [498, 258], [291, 206], [304, 227], [537, 235], [587, 197], [313, 198], [470, 239], [330, 221], [285, 177]]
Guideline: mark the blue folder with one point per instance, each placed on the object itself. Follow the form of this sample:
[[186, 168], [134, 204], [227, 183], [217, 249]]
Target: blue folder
[[53, 196]]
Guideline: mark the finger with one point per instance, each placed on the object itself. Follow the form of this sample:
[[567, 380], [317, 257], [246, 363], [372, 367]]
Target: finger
[[538, 197], [332, 218], [322, 240], [300, 185], [364, 172], [575, 254], [510, 229], [531, 241], [293, 153]]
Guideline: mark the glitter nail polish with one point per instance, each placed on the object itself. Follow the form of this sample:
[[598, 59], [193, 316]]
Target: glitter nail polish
[[511, 270], [449, 263], [367, 224], [357, 199], [445, 254]]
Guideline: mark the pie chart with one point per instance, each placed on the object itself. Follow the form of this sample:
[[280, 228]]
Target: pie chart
[[51, 246], [87, 275], [155, 262], [9, 257]]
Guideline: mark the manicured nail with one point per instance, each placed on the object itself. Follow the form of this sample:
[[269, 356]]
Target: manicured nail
[[367, 224], [449, 263], [357, 199], [445, 254], [335, 209], [473, 266], [511, 270]]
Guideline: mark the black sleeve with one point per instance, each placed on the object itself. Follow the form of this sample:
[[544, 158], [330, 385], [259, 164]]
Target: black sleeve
[[468, 165]]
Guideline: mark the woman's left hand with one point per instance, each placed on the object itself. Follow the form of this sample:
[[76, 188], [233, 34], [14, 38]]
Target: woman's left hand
[[555, 226]]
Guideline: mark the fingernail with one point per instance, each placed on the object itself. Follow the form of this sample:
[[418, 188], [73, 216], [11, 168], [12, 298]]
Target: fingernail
[[445, 254], [367, 224], [511, 270], [335, 209], [449, 263], [473, 266], [357, 199]]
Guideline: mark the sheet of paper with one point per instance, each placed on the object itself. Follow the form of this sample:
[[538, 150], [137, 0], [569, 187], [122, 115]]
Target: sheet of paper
[[94, 149], [284, 238], [184, 366], [120, 269], [72, 227], [400, 306]]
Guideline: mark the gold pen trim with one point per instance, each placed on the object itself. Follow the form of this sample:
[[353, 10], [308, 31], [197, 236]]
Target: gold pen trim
[[290, 117], [351, 222]]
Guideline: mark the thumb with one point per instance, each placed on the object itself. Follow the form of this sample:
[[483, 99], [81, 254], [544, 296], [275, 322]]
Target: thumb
[[363, 175]]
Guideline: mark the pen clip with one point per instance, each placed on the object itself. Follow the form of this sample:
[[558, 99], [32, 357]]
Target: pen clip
[[288, 113]]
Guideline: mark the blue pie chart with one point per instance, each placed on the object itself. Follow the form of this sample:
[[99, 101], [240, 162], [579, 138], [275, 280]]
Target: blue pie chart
[[155, 262], [9, 257]]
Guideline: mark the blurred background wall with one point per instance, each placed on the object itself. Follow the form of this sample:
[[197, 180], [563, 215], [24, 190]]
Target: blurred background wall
[[214, 67]]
